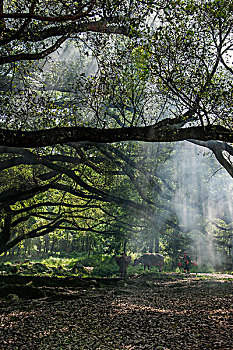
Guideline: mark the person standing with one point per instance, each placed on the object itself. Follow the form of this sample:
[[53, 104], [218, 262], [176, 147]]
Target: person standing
[[123, 262], [187, 262]]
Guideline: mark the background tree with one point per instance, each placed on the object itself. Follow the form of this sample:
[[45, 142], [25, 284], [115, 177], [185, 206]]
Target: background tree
[[166, 78]]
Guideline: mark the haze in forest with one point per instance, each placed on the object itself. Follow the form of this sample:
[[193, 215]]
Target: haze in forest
[[203, 189]]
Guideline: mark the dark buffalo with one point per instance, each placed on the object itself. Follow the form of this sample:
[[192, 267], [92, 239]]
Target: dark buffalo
[[149, 260]]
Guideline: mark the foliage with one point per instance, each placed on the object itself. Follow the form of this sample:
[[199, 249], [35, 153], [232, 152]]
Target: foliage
[[138, 70]]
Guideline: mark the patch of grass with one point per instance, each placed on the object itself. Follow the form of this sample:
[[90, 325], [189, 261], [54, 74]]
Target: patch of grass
[[104, 265]]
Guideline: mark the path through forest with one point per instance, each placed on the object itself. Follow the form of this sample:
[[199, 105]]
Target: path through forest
[[146, 312]]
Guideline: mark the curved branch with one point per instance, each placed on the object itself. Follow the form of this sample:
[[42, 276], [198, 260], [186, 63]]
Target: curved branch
[[102, 26], [14, 195], [40, 231], [81, 207], [217, 148], [33, 56], [15, 161], [31, 15]]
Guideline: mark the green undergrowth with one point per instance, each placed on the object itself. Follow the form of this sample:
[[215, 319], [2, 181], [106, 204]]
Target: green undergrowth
[[94, 265]]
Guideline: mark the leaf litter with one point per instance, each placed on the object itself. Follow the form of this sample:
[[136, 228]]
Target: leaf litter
[[166, 314]]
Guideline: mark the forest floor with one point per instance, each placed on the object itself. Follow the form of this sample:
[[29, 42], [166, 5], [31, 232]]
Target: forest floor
[[151, 311]]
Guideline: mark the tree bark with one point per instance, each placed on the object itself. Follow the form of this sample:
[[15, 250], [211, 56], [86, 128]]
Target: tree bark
[[167, 133]]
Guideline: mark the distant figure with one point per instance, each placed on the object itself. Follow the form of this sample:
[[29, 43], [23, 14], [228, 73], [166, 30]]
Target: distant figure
[[123, 262], [14, 269], [187, 262]]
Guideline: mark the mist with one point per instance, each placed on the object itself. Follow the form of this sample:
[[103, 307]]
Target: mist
[[201, 196], [201, 199]]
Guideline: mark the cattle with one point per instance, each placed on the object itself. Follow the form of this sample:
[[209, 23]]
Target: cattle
[[149, 259]]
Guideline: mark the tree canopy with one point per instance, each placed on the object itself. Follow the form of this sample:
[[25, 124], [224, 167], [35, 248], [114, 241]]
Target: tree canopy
[[80, 78], [180, 50]]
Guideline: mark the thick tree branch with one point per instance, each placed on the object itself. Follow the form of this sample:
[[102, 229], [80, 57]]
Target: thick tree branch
[[168, 133], [14, 195], [33, 56], [38, 232], [128, 171], [80, 207], [15, 161], [69, 30], [31, 15], [218, 148]]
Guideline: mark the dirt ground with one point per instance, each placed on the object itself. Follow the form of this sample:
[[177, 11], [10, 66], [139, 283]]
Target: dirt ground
[[145, 312]]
